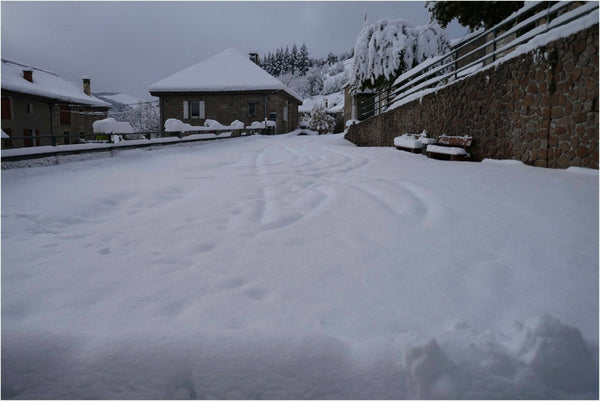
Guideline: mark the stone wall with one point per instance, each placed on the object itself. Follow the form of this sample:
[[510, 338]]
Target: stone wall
[[540, 108], [42, 117], [227, 107], [82, 121]]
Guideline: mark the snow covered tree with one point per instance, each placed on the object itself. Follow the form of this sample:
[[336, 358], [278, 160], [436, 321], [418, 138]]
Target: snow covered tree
[[320, 121], [144, 117], [294, 59], [474, 15], [315, 82], [303, 59], [332, 59], [287, 58], [386, 49]]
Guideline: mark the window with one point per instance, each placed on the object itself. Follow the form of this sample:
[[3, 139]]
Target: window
[[273, 116], [66, 138], [65, 115], [251, 109], [193, 110], [6, 110], [38, 140], [29, 108]]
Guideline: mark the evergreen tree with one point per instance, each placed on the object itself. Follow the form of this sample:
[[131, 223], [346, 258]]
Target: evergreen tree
[[278, 65], [287, 58], [474, 14], [294, 59], [303, 62]]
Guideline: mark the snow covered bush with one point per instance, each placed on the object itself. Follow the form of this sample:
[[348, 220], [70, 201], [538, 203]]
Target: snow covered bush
[[237, 124], [175, 125], [320, 121], [111, 126], [385, 49], [214, 124]]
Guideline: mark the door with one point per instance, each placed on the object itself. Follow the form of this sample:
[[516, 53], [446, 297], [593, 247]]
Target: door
[[27, 141]]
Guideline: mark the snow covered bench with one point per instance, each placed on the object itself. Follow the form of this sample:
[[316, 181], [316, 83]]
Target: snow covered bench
[[450, 147], [413, 142]]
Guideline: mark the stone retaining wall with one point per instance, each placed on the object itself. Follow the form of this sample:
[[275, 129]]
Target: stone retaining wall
[[540, 107]]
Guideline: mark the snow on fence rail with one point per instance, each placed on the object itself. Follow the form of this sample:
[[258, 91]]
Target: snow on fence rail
[[148, 139], [518, 29]]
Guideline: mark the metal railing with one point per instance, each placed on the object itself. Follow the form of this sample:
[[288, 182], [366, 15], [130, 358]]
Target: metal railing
[[532, 20], [14, 142], [71, 139]]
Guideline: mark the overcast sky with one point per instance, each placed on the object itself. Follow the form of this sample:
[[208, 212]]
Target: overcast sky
[[126, 46]]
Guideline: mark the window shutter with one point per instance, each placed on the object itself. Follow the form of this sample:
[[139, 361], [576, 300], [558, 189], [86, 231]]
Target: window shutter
[[202, 113], [6, 110], [186, 110]]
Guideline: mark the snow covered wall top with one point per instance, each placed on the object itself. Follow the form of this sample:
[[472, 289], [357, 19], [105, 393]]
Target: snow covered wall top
[[379, 47], [226, 71], [45, 84]]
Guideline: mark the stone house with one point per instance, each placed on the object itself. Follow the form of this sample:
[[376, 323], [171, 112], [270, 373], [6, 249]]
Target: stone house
[[39, 108], [226, 87]]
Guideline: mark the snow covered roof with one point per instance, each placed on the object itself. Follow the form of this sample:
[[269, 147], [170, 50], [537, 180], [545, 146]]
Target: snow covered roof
[[45, 83], [227, 71]]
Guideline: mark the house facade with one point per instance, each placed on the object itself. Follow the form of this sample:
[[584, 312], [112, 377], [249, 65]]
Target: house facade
[[39, 108], [226, 87]]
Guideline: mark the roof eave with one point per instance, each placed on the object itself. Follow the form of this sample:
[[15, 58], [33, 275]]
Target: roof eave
[[52, 99]]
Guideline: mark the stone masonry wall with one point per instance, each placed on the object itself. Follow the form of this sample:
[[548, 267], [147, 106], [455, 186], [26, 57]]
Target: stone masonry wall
[[540, 108], [227, 107]]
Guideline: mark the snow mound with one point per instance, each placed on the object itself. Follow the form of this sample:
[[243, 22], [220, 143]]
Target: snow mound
[[237, 124], [413, 141], [554, 354], [214, 124], [175, 125], [447, 150], [261, 124], [110, 125]]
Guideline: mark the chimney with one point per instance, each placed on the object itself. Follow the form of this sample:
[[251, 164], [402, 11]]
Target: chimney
[[253, 56], [28, 75], [87, 89]]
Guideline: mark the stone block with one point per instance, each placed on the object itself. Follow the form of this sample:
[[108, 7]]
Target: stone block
[[579, 117], [574, 142], [582, 151], [557, 112], [563, 161]]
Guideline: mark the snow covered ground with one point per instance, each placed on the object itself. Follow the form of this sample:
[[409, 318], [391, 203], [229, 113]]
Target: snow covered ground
[[298, 267]]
